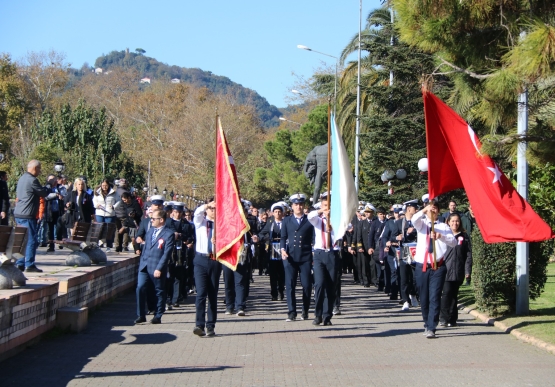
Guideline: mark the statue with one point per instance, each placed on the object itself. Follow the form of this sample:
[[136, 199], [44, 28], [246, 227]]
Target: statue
[[316, 168]]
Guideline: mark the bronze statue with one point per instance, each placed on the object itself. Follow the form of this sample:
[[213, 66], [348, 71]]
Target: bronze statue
[[316, 168]]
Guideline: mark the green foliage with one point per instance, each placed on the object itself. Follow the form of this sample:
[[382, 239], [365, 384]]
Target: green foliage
[[12, 104], [80, 136], [286, 155], [150, 67], [494, 273]]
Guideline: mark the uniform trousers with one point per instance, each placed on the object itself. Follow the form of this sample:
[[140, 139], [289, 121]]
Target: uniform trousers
[[449, 312], [277, 277], [379, 272], [363, 266], [326, 264], [406, 275], [393, 276], [430, 285], [236, 287], [207, 280], [292, 270], [143, 281]]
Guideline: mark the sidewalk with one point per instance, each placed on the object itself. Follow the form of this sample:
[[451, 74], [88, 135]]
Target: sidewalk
[[372, 343]]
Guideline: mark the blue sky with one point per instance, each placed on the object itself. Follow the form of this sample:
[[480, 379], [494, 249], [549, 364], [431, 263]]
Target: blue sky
[[254, 43]]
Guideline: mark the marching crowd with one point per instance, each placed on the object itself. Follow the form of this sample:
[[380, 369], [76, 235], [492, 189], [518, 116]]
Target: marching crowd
[[411, 252]]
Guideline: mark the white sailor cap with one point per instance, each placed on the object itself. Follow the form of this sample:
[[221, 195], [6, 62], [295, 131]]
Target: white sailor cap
[[426, 198], [369, 207], [397, 207], [324, 195], [246, 204], [298, 198], [157, 199], [277, 206], [179, 206], [412, 203], [318, 205], [361, 203]]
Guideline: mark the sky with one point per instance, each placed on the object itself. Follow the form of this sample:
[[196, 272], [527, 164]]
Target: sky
[[254, 43]]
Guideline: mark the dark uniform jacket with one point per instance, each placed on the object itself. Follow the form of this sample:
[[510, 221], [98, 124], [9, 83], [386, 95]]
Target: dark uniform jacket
[[297, 238], [362, 232], [376, 229]]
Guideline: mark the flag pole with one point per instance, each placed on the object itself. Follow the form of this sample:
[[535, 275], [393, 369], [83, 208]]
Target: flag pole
[[433, 219], [328, 224], [215, 181]]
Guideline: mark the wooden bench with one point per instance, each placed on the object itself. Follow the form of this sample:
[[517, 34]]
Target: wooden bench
[[13, 241], [83, 234]]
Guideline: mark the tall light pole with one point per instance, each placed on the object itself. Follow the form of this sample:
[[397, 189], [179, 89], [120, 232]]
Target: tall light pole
[[336, 66], [357, 130]]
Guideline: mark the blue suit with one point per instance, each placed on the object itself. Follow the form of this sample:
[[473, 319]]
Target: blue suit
[[297, 240], [155, 256]]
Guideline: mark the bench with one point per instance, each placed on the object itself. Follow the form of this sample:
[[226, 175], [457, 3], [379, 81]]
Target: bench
[[85, 235], [13, 243]]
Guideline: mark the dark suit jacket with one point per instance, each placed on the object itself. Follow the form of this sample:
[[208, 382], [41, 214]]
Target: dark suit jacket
[[362, 230], [299, 238], [374, 235], [155, 256], [4, 197]]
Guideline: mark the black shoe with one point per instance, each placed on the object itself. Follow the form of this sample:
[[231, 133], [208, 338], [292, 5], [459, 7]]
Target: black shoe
[[140, 320], [32, 269], [169, 307], [50, 250], [327, 323], [210, 332], [199, 331], [21, 267], [317, 321], [60, 247], [304, 316], [118, 249], [43, 245], [281, 297], [366, 285], [156, 320], [290, 317], [176, 305], [274, 298]]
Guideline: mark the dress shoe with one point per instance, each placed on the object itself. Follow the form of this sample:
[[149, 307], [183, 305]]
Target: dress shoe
[[50, 250], [317, 321], [281, 297], [304, 316], [32, 269], [336, 311], [199, 331], [240, 312], [156, 320], [290, 317], [274, 298], [21, 267], [327, 323], [140, 320], [210, 332]]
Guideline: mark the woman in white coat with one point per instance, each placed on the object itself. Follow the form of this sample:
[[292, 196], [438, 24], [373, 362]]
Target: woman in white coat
[[104, 201]]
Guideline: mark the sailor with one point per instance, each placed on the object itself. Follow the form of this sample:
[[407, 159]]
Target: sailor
[[297, 234]]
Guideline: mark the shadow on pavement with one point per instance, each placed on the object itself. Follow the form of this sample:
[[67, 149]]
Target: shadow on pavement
[[154, 371], [151, 338]]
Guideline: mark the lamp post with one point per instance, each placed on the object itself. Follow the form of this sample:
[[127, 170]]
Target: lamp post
[[165, 192], [389, 175], [302, 47], [155, 190], [285, 119], [59, 166]]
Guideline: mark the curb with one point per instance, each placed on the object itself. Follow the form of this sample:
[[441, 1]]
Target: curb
[[507, 329]]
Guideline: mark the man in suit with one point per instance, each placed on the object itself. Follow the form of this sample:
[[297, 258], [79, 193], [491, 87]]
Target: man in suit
[[376, 230], [363, 259], [297, 235], [4, 198], [153, 267]]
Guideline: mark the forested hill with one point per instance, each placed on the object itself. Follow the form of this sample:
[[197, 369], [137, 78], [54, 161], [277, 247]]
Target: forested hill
[[150, 67]]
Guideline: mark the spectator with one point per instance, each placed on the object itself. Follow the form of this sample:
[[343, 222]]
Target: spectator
[[79, 205], [4, 198], [104, 200], [29, 192], [133, 217], [52, 212], [121, 238]]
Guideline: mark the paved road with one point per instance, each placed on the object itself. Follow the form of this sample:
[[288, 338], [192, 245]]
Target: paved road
[[371, 344]]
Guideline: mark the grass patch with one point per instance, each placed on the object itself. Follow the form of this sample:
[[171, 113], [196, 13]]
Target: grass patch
[[541, 321], [466, 296]]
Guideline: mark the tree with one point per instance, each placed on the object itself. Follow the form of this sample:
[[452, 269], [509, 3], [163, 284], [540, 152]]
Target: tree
[[13, 106], [140, 51]]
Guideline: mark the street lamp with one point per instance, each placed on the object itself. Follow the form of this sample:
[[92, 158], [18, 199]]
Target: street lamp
[[59, 166], [302, 47], [145, 189], [389, 175], [155, 190], [296, 92], [423, 166]]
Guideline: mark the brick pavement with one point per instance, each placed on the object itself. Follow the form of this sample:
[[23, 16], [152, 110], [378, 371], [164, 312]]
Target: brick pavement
[[371, 344]]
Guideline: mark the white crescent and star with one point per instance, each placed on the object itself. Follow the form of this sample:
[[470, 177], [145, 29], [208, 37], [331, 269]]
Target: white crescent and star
[[473, 139], [496, 174]]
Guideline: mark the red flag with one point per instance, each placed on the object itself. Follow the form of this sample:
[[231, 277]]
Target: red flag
[[455, 161], [231, 223]]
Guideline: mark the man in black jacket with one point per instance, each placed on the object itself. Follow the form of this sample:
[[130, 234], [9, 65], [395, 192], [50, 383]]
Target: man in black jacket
[[374, 234], [364, 261], [4, 198]]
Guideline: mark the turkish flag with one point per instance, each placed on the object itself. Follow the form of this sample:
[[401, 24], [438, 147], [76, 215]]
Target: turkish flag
[[455, 161], [231, 223]]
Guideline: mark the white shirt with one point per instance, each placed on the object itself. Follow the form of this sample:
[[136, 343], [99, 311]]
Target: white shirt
[[319, 224], [199, 220], [422, 224]]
